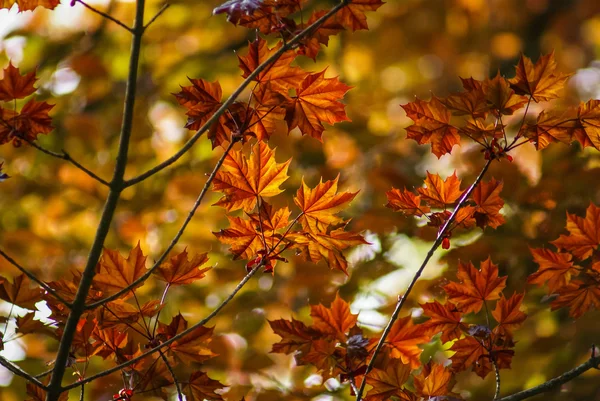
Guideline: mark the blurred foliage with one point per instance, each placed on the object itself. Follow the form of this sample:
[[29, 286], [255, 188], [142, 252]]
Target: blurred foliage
[[49, 210]]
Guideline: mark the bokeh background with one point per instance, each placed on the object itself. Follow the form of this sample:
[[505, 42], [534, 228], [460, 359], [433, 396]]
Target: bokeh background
[[49, 210]]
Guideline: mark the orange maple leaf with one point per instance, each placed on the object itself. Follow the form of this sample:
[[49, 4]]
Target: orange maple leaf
[[320, 204], [295, 336], [317, 101], [353, 16], [193, 347], [440, 193], [403, 340], [20, 292], [434, 380], [578, 296], [388, 382], [468, 352], [406, 202], [243, 179], [501, 97], [444, 318], [115, 272], [487, 198], [201, 99], [431, 125], [280, 75], [476, 286], [13, 85], [200, 387], [556, 268], [508, 315], [337, 320], [552, 126], [180, 270], [243, 237], [471, 102], [540, 81], [588, 124], [584, 235]]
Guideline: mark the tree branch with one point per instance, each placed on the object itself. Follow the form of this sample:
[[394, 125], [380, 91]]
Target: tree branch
[[566, 377], [158, 14], [175, 381], [174, 338], [402, 300], [175, 239], [65, 156], [20, 372], [33, 277], [104, 15], [116, 186], [287, 46]]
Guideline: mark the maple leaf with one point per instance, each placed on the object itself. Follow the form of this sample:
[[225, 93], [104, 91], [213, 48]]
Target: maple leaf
[[316, 101], [540, 81], [471, 102], [476, 286], [508, 315], [434, 380], [193, 346], [81, 344], [200, 387], [267, 113], [406, 202], [588, 123], [20, 292], [320, 204], [578, 296], [13, 85], [243, 237], [388, 382], [323, 354], [280, 75], [552, 126], [444, 318], [270, 219], [295, 336], [403, 340], [353, 16], [110, 339], [556, 268], [440, 193], [468, 352], [115, 272], [180, 270], [487, 198], [39, 394], [117, 313], [337, 320], [243, 179], [27, 324], [328, 246], [501, 97], [431, 125], [584, 235]]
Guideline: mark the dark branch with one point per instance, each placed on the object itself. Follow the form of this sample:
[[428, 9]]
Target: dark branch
[[20, 372]]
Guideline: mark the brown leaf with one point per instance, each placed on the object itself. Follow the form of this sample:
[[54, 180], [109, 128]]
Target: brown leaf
[[115, 272], [179, 270], [13, 85], [584, 233], [540, 81], [337, 320], [20, 292]]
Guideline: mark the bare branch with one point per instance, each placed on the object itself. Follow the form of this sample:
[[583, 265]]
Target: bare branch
[[20, 372], [104, 15], [566, 377], [34, 278], [65, 156], [287, 46], [158, 14], [175, 239], [174, 338], [170, 368], [403, 298]]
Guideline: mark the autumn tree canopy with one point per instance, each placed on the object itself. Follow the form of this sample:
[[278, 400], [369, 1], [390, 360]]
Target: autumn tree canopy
[[291, 199]]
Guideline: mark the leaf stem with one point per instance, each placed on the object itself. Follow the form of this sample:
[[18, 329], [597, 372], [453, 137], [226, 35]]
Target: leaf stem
[[403, 298]]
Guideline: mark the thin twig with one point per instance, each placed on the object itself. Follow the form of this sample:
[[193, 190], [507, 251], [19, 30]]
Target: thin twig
[[44, 374], [497, 375], [174, 338], [566, 377], [82, 393], [170, 368], [65, 156], [33, 277], [104, 15], [158, 14], [232, 98], [175, 239], [20, 372], [402, 300], [116, 187]]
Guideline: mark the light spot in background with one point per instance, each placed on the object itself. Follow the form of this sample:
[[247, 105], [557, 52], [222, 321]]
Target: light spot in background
[[13, 47], [64, 81], [366, 252], [332, 384], [167, 122], [587, 82], [357, 63], [506, 45], [393, 79], [265, 282], [313, 380]]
